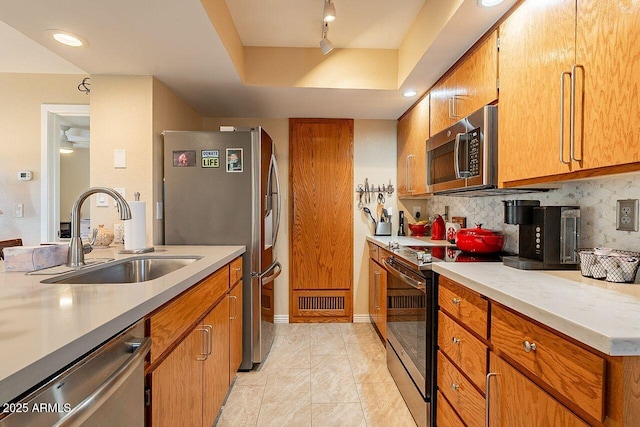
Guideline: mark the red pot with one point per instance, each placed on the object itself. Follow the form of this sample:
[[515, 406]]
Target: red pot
[[479, 240]]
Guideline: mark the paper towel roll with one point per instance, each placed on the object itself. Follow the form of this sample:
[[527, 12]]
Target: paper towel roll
[[135, 228]]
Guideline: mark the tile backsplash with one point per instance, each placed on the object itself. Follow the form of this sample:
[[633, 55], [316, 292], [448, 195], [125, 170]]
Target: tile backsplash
[[596, 198]]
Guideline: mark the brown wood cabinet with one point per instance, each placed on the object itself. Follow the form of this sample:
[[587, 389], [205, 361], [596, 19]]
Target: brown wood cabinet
[[413, 132], [516, 401], [216, 364], [235, 330], [378, 298], [198, 349], [321, 220], [594, 40], [470, 86]]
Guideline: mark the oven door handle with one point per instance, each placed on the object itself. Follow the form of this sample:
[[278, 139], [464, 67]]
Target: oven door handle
[[421, 286]]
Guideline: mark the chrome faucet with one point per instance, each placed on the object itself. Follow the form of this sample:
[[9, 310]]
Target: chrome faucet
[[75, 257]]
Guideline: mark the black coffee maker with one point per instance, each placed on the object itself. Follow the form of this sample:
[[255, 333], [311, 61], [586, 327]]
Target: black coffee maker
[[549, 236]]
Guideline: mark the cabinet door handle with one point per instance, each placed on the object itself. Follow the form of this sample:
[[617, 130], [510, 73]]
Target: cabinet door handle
[[204, 355], [455, 301], [488, 397], [564, 73], [210, 340], [450, 112], [529, 346], [455, 387], [455, 113], [235, 307], [573, 112], [455, 340]]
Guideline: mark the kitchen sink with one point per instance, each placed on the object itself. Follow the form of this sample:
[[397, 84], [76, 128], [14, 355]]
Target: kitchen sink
[[130, 270]]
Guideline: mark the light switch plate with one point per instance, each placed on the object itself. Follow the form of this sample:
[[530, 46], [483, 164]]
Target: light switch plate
[[102, 200], [120, 158], [627, 215], [18, 210]]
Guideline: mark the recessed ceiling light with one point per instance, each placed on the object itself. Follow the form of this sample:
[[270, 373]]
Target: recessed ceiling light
[[66, 38], [489, 3], [409, 93]]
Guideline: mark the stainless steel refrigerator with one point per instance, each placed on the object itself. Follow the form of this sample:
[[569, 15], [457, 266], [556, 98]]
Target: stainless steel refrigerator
[[222, 188]]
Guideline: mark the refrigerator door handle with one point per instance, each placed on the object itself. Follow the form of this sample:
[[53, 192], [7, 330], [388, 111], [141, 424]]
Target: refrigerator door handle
[[274, 169], [273, 266]]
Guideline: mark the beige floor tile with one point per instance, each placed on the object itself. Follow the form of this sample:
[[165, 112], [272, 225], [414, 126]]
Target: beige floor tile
[[337, 415], [285, 414], [369, 365], [301, 329], [293, 356], [288, 385], [332, 380], [360, 333], [383, 405], [251, 378], [328, 344], [242, 406]]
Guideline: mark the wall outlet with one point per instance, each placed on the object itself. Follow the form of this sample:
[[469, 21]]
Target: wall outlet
[[627, 215], [417, 212]]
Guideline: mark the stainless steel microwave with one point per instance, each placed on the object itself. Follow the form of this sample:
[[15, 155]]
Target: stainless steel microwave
[[464, 157]]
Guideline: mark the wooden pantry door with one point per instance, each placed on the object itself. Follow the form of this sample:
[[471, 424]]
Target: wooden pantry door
[[321, 220]]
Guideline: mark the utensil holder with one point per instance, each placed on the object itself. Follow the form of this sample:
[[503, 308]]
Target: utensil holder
[[383, 229]]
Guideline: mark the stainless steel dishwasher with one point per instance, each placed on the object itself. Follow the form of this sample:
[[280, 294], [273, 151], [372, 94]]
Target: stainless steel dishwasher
[[104, 388]]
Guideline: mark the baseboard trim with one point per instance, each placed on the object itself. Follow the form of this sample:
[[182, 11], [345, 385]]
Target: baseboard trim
[[357, 318], [361, 318], [280, 318]]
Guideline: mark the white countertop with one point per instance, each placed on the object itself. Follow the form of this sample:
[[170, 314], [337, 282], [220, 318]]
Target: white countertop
[[407, 241], [603, 315], [44, 327]]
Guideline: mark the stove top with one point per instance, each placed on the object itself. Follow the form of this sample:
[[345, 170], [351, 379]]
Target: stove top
[[423, 256]]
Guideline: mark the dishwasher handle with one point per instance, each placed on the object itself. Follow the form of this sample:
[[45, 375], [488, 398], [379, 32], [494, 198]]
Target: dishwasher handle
[[93, 402]]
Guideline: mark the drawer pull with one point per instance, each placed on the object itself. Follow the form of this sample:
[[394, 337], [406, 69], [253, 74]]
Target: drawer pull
[[529, 346], [456, 301], [455, 387], [455, 340]]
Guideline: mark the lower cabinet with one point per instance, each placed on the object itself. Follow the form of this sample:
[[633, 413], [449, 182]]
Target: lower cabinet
[[198, 351], [176, 385], [516, 401], [216, 363], [378, 297], [235, 330]]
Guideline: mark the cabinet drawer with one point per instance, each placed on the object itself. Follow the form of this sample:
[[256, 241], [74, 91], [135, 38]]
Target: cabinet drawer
[[374, 252], [567, 368], [464, 398], [466, 351], [516, 401], [446, 416], [235, 271], [464, 305], [174, 319]]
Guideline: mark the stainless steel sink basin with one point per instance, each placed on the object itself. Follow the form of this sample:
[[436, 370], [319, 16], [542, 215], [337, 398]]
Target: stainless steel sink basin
[[130, 270]]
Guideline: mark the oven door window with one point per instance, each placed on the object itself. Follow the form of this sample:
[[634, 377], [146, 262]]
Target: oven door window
[[407, 320]]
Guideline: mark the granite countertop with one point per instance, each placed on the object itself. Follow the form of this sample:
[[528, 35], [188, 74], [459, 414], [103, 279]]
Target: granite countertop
[[44, 327], [603, 315]]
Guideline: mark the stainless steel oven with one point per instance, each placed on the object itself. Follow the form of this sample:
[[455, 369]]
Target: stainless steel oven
[[464, 156], [411, 334]]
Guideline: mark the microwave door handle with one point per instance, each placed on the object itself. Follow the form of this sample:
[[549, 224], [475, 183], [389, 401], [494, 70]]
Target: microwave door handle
[[456, 155]]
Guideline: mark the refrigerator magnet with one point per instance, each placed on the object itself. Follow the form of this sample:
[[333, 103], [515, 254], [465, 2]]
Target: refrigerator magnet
[[210, 158], [184, 158], [234, 160]]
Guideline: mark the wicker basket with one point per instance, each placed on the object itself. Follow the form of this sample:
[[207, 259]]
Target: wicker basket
[[619, 266]]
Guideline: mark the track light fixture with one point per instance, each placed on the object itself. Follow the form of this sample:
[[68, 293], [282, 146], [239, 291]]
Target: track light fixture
[[325, 44], [329, 14]]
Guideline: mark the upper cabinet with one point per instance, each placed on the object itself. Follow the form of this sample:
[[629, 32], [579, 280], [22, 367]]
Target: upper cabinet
[[470, 86], [413, 132], [566, 90]]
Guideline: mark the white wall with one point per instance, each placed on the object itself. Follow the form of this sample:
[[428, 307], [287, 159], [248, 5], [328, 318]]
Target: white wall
[[22, 95], [74, 179]]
